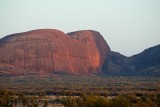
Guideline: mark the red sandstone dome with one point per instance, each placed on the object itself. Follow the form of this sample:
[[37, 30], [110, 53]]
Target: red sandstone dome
[[49, 50]]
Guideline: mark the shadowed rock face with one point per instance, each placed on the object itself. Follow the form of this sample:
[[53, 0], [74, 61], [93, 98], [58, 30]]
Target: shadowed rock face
[[49, 50], [146, 63]]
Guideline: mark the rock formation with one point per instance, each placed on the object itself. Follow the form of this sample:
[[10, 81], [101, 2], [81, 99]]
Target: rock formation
[[49, 50], [146, 63], [81, 52]]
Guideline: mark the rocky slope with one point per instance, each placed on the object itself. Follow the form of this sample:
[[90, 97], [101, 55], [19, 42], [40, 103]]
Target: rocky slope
[[145, 63], [49, 50]]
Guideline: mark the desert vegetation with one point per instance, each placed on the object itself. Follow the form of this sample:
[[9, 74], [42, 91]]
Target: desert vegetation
[[118, 101], [74, 85], [11, 99], [79, 91]]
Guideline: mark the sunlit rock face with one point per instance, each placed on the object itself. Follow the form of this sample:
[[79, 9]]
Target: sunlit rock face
[[95, 45], [49, 50]]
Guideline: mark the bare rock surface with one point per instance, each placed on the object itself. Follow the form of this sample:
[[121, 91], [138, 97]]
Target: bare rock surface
[[50, 50]]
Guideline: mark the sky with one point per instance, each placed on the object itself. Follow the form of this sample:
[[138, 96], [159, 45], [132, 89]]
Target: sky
[[128, 26]]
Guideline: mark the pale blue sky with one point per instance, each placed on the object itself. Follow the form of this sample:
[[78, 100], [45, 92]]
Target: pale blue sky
[[129, 26]]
